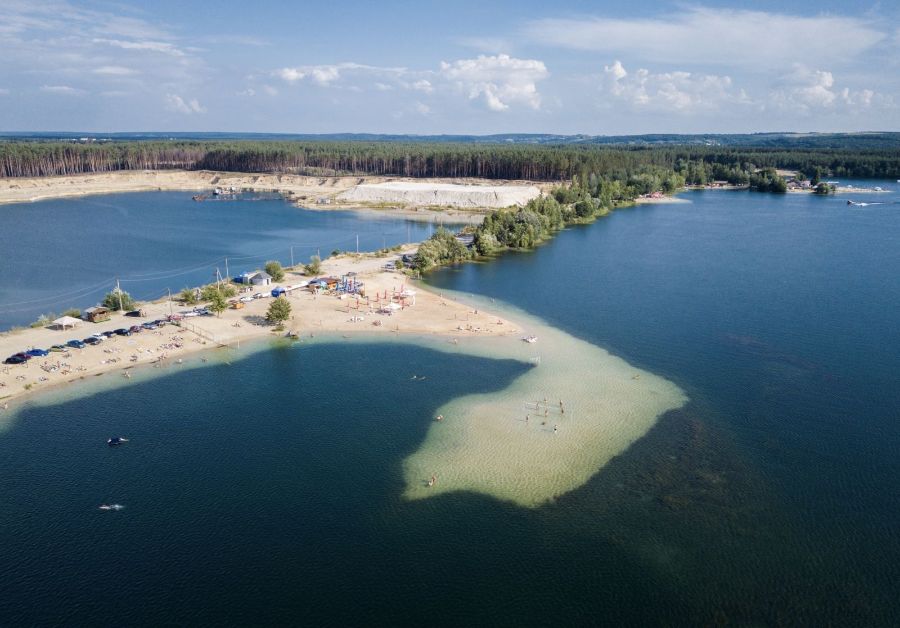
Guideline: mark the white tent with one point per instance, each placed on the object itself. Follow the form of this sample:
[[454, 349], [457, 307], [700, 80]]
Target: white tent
[[66, 321]]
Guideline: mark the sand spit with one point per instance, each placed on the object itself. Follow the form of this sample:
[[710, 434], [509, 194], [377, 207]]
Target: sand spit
[[549, 432], [425, 194], [317, 192], [425, 313], [546, 434]]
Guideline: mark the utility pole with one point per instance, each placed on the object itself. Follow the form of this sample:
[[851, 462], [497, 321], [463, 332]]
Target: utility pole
[[227, 274], [119, 292]]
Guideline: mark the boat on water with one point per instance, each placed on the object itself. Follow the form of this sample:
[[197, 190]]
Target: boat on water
[[111, 506], [116, 441], [530, 339]]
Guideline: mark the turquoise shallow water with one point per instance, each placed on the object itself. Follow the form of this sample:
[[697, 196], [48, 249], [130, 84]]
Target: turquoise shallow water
[[68, 252], [271, 489]]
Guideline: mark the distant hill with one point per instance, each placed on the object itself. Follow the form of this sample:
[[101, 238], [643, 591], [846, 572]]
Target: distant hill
[[855, 141]]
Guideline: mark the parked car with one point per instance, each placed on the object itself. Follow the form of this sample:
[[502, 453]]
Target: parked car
[[135, 329], [135, 313], [58, 348], [91, 340], [149, 325], [18, 358], [76, 344], [246, 299], [37, 353], [108, 334], [122, 332]]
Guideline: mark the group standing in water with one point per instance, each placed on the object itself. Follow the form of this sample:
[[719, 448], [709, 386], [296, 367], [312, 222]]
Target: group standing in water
[[546, 413]]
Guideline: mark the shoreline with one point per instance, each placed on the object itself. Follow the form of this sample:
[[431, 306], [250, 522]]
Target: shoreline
[[423, 313], [301, 190]]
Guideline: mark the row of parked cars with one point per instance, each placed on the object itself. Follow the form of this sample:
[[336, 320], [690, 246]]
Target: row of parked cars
[[95, 339]]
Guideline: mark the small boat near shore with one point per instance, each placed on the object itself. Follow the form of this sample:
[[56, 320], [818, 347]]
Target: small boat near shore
[[529, 339], [111, 506], [115, 441]]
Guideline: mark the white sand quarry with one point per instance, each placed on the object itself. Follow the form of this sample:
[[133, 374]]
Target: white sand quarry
[[440, 194]]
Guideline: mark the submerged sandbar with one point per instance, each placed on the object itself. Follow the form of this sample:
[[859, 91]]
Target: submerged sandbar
[[583, 405]]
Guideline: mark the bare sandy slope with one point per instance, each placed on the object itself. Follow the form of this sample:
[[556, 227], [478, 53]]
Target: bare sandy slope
[[319, 192], [431, 314], [415, 193]]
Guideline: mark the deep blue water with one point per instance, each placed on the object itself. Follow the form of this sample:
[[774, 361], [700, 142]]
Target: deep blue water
[[65, 253], [268, 490]]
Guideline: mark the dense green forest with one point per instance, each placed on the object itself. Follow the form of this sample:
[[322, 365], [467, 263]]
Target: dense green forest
[[541, 162], [581, 201]]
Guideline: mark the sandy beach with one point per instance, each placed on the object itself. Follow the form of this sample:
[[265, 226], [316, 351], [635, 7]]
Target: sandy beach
[[311, 314], [314, 192]]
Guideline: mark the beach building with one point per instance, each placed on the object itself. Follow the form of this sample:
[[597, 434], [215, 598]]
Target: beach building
[[97, 314], [255, 278]]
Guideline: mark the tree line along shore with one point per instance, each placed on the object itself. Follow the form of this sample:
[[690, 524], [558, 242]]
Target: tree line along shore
[[696, 164], [592, 180]]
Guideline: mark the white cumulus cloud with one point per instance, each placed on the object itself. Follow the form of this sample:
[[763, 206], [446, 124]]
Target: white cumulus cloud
[[679, 91], [174, 102], [499, 80], [328, 74], [805, 90]]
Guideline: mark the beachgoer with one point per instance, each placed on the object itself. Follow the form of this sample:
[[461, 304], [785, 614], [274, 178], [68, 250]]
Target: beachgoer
[[555, 429]]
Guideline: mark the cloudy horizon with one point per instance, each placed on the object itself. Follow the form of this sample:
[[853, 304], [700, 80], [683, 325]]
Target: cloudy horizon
[[508, 68]]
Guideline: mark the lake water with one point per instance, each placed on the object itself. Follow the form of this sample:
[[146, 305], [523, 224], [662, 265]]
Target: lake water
[[269, 488], [69, 252]]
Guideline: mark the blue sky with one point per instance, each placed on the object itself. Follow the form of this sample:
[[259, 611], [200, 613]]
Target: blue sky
[[449, 67]]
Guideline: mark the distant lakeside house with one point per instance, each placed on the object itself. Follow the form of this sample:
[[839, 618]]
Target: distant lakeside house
[[255, 278]]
